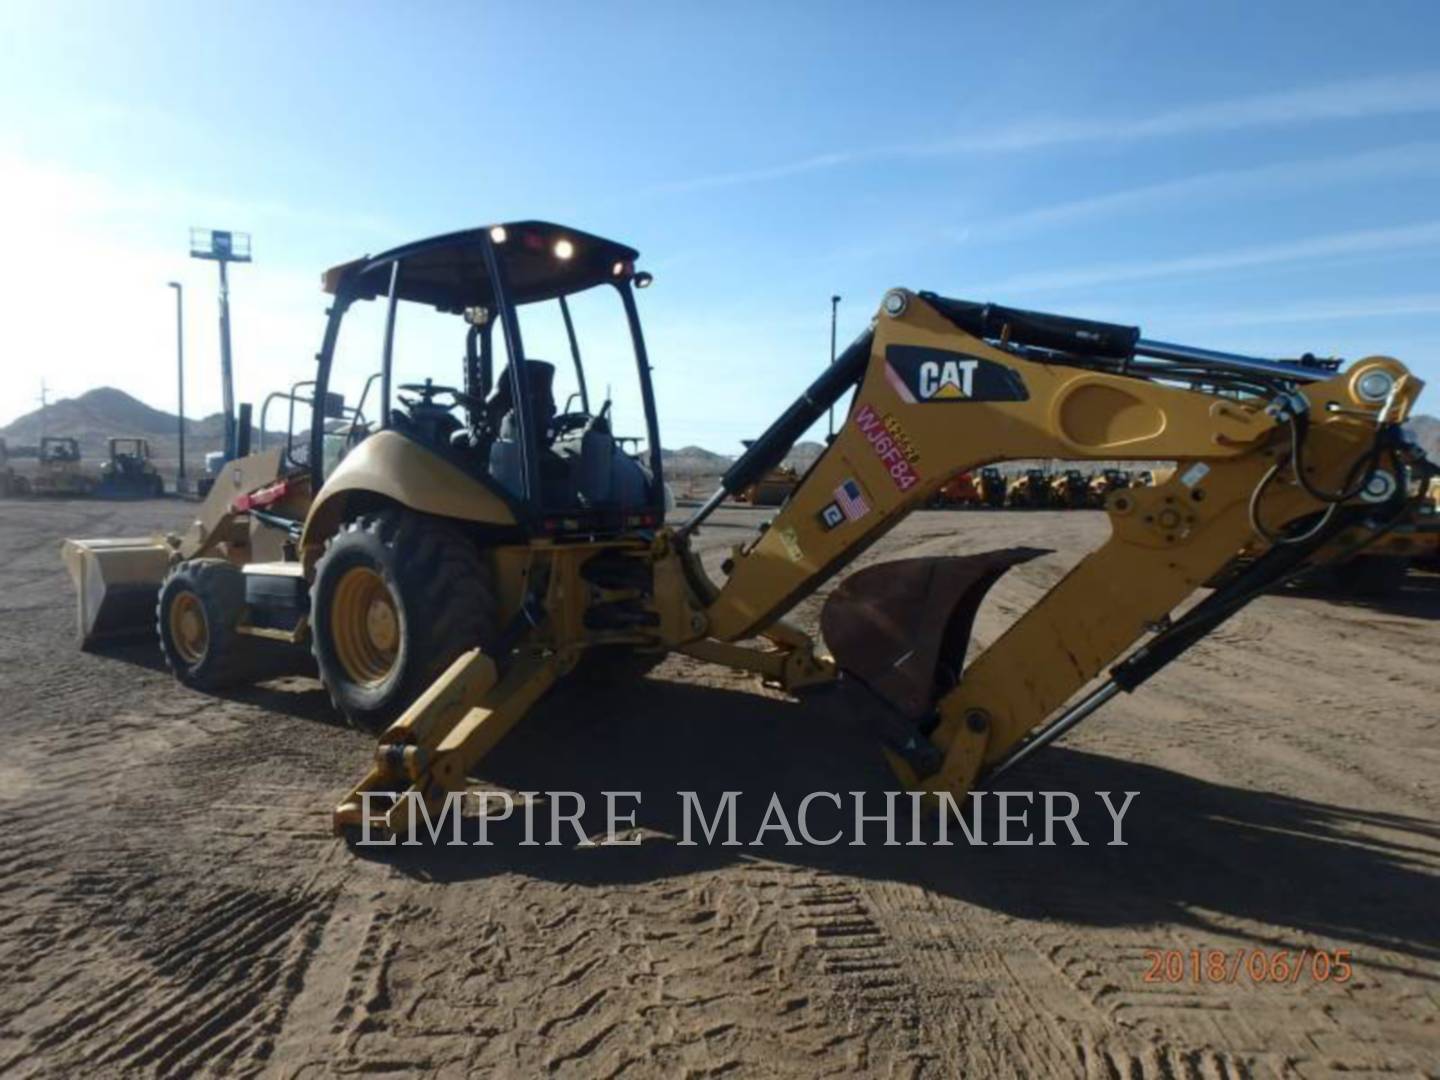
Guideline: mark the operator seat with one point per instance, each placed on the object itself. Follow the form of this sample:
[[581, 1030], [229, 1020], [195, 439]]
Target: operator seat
[[540, 381], [505, 459]]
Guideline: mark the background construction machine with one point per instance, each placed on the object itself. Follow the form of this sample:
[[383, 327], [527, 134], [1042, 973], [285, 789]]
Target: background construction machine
[[1028, 490], [991, 486], [1104, 482], [7, 473], [59, 469], [467, 544], [959, 491], [772, 489], [128, 471], [1070, 489]]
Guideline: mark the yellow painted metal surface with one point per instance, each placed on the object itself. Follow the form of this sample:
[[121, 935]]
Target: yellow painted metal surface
[[399, 469], [1167, 540]]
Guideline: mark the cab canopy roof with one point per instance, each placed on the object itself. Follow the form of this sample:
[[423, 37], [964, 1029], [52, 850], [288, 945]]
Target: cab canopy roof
[[541, 261]]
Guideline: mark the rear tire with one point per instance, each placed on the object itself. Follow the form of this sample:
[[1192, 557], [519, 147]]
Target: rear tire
[[397, 597], [200, 605]]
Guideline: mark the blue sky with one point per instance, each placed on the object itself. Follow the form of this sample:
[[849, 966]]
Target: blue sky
[[1253, 177]]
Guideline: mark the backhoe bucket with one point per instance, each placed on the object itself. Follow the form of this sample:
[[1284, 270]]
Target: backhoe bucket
[[902, 628], [117, 582]]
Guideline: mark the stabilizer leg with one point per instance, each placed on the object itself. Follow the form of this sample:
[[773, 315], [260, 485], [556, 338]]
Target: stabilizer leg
[[433, 747]]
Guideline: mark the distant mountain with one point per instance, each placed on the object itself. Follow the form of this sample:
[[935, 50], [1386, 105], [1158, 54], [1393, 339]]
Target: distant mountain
[[803, 454], [97, 415], [694, 461]]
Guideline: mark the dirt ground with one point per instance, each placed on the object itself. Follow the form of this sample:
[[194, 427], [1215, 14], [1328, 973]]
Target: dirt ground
[[173, 901]]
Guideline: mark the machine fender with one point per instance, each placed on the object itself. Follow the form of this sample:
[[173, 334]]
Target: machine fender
[[400, 471]]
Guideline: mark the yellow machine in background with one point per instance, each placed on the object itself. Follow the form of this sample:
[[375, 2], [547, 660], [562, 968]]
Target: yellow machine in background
[[1070, 489], [472, 544], [1029, 490], [1106, 481], [772, 489], [991, 487], [60, 470]]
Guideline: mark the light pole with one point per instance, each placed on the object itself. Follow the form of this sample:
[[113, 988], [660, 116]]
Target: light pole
[[834, 305], [180, 376], [224, 247]]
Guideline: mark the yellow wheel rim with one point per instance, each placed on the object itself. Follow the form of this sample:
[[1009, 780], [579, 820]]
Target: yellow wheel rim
[[365, 626], [189, 632]]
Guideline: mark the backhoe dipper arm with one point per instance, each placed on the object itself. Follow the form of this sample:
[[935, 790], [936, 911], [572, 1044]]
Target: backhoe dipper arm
[[935, 399]]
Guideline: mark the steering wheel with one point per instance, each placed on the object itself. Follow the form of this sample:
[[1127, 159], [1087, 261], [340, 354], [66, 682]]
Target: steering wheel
[[567, 422], [427, 392]]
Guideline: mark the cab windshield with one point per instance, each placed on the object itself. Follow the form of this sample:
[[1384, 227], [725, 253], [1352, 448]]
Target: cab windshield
[[445, 375]]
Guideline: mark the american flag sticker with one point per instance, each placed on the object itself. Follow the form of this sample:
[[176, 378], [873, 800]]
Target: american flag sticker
[[851, 501]]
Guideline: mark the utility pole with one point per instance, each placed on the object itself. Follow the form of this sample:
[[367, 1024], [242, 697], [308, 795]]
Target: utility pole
[[224, 247], [834, 304], [180, 377], [44, 402]]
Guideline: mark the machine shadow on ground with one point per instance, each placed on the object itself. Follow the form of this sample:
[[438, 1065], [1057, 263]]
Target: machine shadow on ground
[[1195, 850], [1418, 598], [289, 686]]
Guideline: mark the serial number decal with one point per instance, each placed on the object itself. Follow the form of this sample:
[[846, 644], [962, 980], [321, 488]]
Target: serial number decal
[[1258, 966], [891, 445]]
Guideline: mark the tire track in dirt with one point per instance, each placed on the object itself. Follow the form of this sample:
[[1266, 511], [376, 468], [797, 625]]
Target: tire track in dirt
[[174, 904]]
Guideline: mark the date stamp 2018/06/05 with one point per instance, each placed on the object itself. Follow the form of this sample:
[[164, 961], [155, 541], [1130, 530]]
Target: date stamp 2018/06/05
[[1267, 966]]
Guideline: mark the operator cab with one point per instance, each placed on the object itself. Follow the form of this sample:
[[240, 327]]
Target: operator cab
[[513, 352], [129, 454], [59, 449]]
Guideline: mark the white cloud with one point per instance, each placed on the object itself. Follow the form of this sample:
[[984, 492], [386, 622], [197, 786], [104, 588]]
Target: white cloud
[[1388, 95], [1316, 311], [1410, 159], [1422, 235]]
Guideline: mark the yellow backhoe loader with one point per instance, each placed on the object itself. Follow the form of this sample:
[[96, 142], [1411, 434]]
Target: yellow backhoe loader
[[471, 544]]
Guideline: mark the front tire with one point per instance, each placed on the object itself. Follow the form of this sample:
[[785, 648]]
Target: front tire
[[200, 605], [397, 597]]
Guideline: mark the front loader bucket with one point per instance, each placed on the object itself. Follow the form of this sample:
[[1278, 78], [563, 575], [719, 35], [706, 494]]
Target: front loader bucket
[[116, 585], [902, 628]]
